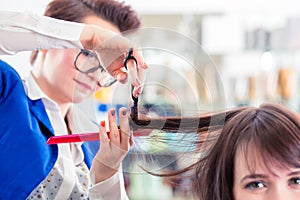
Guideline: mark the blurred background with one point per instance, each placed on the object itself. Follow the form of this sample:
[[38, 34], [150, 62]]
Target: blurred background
[[202, 56]]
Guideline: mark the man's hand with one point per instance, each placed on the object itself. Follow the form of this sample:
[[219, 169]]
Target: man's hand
[[112, 48], [113, 148]]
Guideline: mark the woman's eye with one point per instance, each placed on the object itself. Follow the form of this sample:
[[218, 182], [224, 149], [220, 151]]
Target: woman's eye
[[255, 185], [294, 181]]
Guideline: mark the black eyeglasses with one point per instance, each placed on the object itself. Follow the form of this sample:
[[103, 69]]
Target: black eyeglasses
[[88, 62]]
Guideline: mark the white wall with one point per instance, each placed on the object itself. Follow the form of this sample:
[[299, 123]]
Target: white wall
[[20, 61], [214, 6], [36, 6]]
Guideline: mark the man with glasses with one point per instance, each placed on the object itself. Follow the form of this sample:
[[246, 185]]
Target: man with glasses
[[40, 105], [87, 62]]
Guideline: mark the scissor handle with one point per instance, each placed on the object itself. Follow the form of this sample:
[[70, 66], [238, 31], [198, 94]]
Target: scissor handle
[[129, 57]]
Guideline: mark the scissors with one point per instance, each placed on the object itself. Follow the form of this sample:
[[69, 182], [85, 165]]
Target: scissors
[[134, 108]]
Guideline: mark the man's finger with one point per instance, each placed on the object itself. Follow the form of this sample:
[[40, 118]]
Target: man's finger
[[125, 129]]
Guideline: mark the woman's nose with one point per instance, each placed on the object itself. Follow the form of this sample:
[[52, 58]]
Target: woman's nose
[[282, 193]]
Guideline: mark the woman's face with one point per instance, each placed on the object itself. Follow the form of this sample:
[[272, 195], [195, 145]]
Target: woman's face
[[261, 183], [57, 75]]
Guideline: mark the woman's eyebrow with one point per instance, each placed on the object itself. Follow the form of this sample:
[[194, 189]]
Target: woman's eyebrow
[[254, 176], [293, 173]]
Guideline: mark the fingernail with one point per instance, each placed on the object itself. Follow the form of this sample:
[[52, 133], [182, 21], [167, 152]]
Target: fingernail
[[145, 65], [113, 112], [124, 112], [102, 123]]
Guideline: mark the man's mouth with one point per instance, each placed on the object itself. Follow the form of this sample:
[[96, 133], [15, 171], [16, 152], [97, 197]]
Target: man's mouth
[[84, 85]]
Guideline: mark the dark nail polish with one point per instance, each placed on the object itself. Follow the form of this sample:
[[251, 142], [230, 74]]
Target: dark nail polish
[[113, 112], [124, 112]]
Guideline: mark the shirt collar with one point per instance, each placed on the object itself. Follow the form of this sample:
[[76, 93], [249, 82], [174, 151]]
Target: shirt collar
[[34, 92]]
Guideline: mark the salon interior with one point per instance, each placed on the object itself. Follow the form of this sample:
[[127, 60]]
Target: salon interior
[[202, 56]]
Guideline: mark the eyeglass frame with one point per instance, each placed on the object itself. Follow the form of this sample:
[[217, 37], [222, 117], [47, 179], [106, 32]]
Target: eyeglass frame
[[93, 69]]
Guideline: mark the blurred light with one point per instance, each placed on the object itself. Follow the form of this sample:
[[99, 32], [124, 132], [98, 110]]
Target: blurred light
[[267, 61]]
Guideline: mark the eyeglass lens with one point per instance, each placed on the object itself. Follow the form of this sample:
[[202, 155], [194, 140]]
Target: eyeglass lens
[[88, 62]]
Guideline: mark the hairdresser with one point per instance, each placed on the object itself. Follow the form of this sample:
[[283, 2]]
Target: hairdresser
[[65, 70]]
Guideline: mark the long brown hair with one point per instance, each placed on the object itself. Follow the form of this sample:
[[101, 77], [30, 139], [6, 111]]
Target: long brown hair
[[118, 13], [272, 129]]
